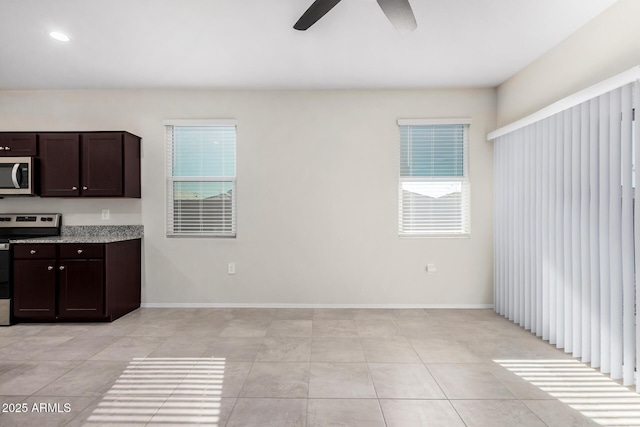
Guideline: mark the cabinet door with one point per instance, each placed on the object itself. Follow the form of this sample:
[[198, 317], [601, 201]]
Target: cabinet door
[[34, 288], [60, 165], [81, 289], [102, 164], [18, 144]]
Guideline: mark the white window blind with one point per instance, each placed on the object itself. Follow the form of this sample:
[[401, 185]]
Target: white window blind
[[564, 192], [434, 183], [201, 180]]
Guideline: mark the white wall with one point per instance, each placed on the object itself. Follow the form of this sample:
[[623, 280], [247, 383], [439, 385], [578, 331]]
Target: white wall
[[317, 195], [604, 47]]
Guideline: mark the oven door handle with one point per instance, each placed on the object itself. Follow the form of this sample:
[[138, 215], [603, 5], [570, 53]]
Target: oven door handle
[[14, 175]]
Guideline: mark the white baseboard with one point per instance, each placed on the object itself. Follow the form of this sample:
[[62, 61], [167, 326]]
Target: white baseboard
[[285, 305]]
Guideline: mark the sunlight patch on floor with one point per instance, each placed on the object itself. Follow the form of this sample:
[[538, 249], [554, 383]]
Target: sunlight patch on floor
[[165, 390], [582, 388]]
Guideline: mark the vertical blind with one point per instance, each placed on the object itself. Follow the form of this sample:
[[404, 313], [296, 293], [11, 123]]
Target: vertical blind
[[434, 187], [567, 254], [201, 180]]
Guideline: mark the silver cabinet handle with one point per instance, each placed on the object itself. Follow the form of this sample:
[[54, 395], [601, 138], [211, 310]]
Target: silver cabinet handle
[[62, 267], [1, 148], [50, 268], [32, 251], [7, 148], [74, 188], [84, 188], [79, 251]]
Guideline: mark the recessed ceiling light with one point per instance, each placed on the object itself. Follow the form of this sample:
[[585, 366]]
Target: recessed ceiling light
[[59, 36]]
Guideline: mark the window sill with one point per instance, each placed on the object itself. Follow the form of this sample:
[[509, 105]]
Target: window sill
[[199, 236], [436, 236]]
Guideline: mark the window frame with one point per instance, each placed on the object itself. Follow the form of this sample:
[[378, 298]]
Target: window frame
[[172, 179], [465, 230]]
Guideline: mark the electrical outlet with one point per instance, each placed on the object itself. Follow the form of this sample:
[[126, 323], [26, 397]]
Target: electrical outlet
[[105, 214], [431, 269], [231, 268]]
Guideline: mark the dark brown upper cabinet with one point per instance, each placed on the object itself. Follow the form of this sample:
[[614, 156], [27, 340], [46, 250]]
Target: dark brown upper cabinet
[[18, 144], [102, 164], [59, 164], [89, 164]]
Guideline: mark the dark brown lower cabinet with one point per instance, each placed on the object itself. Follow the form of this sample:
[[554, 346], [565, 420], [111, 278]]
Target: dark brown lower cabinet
[[34, 289], [81, 288], [81, 282]]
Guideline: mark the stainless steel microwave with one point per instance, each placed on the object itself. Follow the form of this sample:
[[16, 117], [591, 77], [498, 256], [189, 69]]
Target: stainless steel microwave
[[16, 176]]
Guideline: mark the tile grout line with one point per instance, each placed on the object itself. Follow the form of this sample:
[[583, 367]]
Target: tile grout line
[[443, 392], [384, 419], [243, 385]]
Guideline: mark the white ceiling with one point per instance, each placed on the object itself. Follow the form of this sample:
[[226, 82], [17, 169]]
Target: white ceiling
[[252, 43]]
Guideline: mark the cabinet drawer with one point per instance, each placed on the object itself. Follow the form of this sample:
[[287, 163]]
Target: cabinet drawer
[[34, 251], [81, 250]]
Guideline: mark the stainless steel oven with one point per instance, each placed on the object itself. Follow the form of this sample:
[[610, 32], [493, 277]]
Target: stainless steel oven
[[5, 285], [16, 176]]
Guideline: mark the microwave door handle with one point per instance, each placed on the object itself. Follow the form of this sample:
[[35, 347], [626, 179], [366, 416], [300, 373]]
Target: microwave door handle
[[14, 175]]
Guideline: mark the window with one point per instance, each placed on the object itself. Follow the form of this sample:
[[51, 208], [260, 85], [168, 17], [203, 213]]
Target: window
[[201, 178], [434, 181]]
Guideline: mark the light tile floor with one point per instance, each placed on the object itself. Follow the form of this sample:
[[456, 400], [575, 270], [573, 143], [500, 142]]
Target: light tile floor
[[281, 367]]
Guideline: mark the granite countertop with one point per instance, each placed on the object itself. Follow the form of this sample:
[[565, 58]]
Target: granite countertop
[[90, 234]]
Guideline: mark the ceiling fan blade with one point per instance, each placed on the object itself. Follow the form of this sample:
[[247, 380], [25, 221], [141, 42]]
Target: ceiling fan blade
[[316, 11], [400, 14]]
